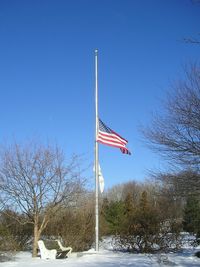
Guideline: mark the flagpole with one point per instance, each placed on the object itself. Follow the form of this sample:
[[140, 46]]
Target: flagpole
[[96, 158]]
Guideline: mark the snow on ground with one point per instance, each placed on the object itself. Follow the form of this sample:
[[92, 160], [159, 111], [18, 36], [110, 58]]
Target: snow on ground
[[106, 257]]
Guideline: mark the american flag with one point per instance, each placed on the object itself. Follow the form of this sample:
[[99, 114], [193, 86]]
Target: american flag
[[109, 137]]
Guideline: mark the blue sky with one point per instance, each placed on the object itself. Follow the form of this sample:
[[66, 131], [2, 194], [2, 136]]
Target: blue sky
[[47, 73]]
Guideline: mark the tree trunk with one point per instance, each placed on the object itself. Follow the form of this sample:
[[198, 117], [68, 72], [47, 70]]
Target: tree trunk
[[35, 240]]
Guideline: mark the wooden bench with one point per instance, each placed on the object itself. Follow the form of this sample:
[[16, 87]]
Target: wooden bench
[[53, 249]]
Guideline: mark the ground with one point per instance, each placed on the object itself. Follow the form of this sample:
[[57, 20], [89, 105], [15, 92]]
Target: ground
[[107, 257]]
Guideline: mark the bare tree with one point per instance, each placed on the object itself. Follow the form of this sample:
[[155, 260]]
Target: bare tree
[[176, 134], [36, 181], [180, 184], [193, 40]]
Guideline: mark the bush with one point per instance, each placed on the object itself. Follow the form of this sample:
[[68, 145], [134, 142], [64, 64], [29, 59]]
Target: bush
[[113, 214], [14, 236], [191, 216], [144, 230], [74, 226]]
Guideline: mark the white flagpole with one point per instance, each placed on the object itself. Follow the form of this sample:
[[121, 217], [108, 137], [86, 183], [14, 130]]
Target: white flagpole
[[96, 159]]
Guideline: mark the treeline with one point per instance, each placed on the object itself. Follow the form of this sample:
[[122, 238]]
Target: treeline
[[150, 217], [141, 217]]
